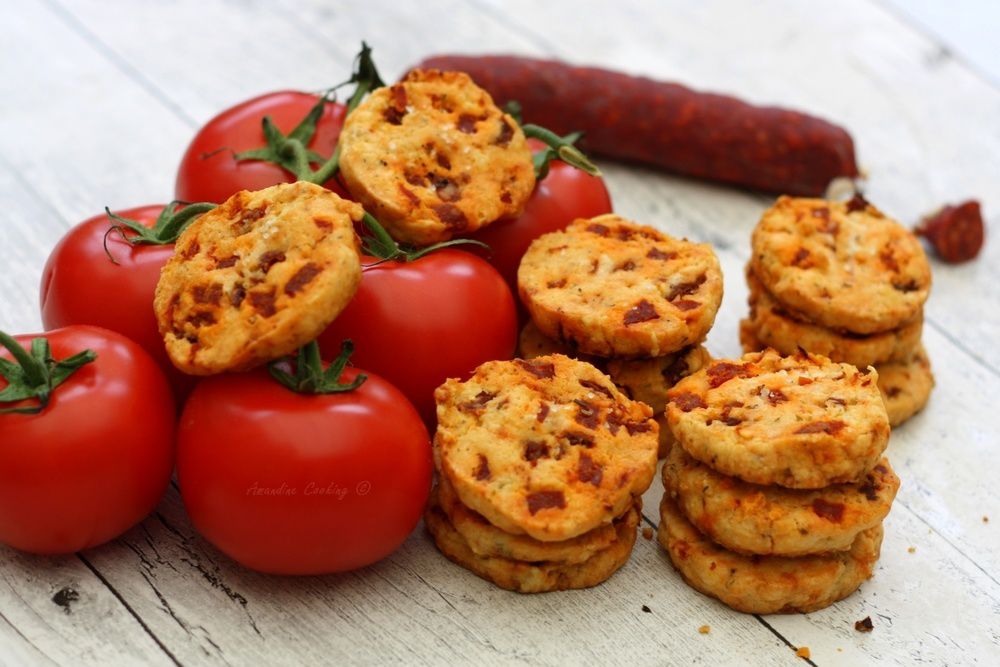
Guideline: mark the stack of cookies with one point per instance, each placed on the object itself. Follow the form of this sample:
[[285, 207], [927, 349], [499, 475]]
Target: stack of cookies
[[541, 465], [625, 297], [842, 280], [776, 487]]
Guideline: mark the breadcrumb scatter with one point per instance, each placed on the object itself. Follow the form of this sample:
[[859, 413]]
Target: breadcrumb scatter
[[705, 629], [912, 550], [803, 652]]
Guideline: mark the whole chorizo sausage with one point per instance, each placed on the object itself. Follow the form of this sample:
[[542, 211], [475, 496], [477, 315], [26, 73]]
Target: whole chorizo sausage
[[668, 125]]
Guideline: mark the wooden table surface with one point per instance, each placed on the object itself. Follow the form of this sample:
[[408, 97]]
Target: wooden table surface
[[99, 99]]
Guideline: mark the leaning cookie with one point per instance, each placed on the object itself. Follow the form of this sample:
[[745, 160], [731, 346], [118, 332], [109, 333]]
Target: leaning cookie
[[771, 520], [533, 343], [257, 277], [433, 157], [613, 288], [485, 539], [775, 326], [537, 577], [906, 386], [843, 265], [766, 584], [547, 447], [802, 422]]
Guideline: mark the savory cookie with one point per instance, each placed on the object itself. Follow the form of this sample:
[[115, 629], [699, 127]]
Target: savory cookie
[[771, 520], [617, 289], [537, 577], [485, 539], [748, 337], [648, 380], [905, 386], [766, 584], [257, 277], [548, 446], [777, 327], [533, 343], [433, 157], [843, 265], [803, 422]]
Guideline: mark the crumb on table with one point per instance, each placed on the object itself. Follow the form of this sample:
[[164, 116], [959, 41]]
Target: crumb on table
[[705, 629], [803, 652], [864, 625], [647, 533]]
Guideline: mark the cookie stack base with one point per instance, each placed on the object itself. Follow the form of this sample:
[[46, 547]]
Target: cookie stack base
[[765, 584], [537, 576]]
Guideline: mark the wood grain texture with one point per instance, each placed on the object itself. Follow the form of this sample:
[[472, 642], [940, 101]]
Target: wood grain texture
[[113, 94]]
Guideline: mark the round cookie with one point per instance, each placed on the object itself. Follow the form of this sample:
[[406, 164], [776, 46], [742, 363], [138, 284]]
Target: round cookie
[[843, 265], [905, 386], [533, 343], [433, 157], [774, 326], [766, 584], [771, 520], [547, 447], [617, 289], [802, 422], [485, 539], [648, 380], [258, 277], [539, 577]]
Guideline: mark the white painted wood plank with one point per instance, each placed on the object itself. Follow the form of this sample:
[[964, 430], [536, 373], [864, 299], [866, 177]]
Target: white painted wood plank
[[414, 607], [91, 627]]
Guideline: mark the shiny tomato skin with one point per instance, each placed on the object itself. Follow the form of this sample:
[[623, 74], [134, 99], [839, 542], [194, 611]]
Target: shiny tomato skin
[[97, 459], [286, 483], [419, 323], [81, 285], [560, 198], [208, 171]]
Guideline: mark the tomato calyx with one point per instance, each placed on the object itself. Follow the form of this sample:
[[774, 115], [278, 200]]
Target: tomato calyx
[[289, 151], [561, 148], [308, 375], [35, 374], [169, 225], [381, 245]]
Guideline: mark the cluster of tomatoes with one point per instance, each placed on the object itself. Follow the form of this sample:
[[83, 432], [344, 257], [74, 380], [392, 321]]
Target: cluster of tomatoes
[[281, 481]]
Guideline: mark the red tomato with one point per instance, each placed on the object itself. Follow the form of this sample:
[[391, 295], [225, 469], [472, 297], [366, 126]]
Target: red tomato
[[208, 171], [287, 483], [97, 459], [560, 198], [419, 323], [80, 285]]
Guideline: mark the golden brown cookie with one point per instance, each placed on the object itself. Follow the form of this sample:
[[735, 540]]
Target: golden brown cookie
[[843, 265], [617, 289], [548, 447], [803, 422], [772, 520], [537, 577], [433, 157], [533, 343], [766, 584], [906, 386], [648, 380], [776, 326], [485, 539], [257, 277], [748, 337]]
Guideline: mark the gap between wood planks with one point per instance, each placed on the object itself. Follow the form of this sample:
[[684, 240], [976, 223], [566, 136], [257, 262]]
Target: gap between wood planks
[[117, 61]]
